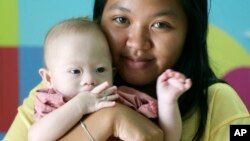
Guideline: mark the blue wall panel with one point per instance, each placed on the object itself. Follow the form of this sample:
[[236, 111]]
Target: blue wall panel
[[30, 60], [36, 17]]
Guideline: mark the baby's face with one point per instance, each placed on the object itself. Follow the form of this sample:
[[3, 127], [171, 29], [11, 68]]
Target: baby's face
[[80, 62]]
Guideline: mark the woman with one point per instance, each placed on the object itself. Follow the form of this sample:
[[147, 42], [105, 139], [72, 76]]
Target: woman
[[147, 37]]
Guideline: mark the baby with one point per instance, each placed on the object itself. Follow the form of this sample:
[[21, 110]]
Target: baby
[[78, 74]]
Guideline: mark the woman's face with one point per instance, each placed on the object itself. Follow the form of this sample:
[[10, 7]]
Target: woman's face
[[146, 37]]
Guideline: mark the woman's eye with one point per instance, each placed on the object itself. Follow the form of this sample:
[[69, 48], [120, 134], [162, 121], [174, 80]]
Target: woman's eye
[[161, 25], [120, 20], [75, 71], [100, 70]]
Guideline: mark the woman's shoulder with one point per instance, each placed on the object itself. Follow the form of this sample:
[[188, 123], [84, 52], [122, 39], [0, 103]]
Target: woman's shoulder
[[222, 96], [225, 108], [222, 92], [24, 117], [225, 102], [220, 87]]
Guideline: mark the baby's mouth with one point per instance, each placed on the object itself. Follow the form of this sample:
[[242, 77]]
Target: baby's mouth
[[87, 87]]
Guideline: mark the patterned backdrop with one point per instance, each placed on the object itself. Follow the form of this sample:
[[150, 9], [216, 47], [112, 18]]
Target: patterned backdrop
[[24, 23]]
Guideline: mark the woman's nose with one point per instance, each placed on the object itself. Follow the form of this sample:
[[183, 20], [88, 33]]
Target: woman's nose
[[138, 38]]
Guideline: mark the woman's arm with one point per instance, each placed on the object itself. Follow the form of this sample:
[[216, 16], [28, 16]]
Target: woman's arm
[[119, 121], [99, 124], [128, 124]]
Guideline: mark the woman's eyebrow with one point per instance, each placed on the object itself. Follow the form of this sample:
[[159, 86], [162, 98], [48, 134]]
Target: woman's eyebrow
[[167, 13], [117, 6]]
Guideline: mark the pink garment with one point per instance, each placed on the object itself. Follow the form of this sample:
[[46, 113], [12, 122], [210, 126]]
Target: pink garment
[[138, 101], [48, 100]]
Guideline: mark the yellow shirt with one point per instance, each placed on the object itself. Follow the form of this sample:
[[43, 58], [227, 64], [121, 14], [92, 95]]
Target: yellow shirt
[[225, 108]]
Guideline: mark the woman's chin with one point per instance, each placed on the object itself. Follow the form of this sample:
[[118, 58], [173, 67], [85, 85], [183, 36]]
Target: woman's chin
[[137, 80]]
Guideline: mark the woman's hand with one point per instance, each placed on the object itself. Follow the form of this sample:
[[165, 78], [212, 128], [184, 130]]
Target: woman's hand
[[129, 125]]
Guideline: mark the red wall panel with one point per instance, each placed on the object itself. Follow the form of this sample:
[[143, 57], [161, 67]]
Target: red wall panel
[[8, 86]]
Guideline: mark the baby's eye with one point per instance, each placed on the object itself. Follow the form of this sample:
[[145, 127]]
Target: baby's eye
[[120, 20], [100, 69], [75, 71]]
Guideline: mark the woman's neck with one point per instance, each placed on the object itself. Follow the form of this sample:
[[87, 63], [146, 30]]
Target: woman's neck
[[149, 89]]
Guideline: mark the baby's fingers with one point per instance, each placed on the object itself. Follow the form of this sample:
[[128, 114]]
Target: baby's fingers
[[100, 87], [164, 76], [181, 85], [109, 97], [187, 84], [107, 101], [106, 92]]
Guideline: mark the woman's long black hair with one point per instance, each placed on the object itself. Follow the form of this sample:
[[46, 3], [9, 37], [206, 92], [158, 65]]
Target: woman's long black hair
[[193, 62]]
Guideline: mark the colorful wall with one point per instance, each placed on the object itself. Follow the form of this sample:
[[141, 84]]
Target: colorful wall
[[24, 23]]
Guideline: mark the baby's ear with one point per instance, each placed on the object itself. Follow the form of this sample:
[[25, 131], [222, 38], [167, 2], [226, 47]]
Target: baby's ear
[[44, 73]]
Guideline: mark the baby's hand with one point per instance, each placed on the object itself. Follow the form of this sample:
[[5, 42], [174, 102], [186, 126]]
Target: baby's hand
[[170, 85], [100, 97]]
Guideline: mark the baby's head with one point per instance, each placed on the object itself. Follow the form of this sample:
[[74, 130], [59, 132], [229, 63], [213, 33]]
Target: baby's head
[[76, 56]]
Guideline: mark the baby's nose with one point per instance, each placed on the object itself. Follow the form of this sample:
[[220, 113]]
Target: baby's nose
[[88, 80]]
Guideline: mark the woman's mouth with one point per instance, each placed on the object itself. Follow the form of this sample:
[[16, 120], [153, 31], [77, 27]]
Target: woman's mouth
[[137, 63]]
